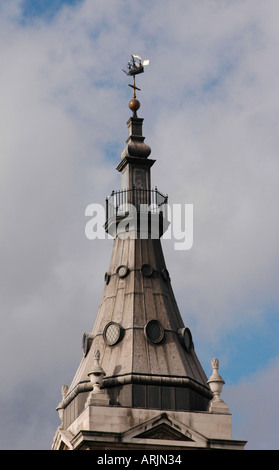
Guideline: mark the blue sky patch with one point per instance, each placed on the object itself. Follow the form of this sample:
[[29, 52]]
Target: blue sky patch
[[252, 346], [44, 8], [113, 151]]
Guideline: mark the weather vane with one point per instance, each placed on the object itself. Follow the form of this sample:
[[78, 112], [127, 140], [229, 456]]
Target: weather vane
[[134, 67]]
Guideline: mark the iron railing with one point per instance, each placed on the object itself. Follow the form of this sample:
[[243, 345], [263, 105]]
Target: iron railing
[[146, 200]]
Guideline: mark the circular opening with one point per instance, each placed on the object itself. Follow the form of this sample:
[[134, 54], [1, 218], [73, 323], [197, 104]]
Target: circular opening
[[154, 331], [86, 343], [146, 270], [112, 333], [187, 338], [165, 274], [122, 271]]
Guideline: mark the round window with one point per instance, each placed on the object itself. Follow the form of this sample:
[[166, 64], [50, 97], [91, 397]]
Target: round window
[[112, 333], [146, 270], [86, 343], [165, 274], [187, 337], [154, 331], [122, 271]]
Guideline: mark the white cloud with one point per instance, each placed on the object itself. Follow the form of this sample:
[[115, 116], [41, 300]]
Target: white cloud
[[253, 404]]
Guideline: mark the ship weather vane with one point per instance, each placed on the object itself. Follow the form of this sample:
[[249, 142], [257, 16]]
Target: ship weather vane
[[134, 67]]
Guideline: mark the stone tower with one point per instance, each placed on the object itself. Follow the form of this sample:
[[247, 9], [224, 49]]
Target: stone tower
[[140, 384]]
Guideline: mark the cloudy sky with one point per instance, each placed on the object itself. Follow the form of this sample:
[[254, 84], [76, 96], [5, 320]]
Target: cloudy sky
[[210, 103]]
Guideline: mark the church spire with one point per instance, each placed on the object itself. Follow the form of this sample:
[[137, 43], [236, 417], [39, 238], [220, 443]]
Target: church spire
[[146, 351], [139, 378]]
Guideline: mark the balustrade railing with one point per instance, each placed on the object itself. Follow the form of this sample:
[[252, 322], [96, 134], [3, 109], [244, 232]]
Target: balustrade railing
[[119, 202]]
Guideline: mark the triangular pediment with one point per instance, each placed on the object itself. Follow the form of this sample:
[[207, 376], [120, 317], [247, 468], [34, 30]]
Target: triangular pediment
[[62, 440], [164, 431], [162, 428]]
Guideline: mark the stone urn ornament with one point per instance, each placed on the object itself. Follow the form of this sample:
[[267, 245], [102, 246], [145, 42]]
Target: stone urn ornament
[[97, 373], [215, 382], [98, 395]]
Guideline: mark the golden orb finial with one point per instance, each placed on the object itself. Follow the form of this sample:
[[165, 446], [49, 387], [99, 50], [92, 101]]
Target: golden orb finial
[[134, 104]]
